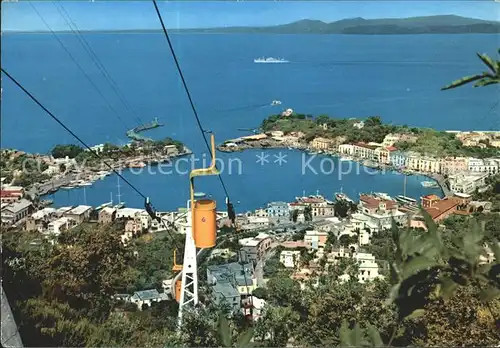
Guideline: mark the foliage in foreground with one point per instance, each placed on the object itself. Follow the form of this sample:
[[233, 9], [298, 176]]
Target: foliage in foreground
[[427, 273], [484, 79], [435, 274]]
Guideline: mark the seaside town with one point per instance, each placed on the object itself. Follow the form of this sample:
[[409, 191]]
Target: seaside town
[[300, 240], [300, 235]]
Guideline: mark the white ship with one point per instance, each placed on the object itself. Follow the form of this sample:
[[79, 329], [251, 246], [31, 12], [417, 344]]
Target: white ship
[[270, 60]]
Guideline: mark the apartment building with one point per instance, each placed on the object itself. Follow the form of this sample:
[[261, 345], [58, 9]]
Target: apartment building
[[321, 144], [467, 182], [346, 149], [490, 166], [397, 158], [393, 138], [362, 150], [14, 212], [278, 209], [423, 164], [39, 220], [315, 239], [80, 213], [254, 249], [62, 224], [290, 258], [107, 215], [453, 165]]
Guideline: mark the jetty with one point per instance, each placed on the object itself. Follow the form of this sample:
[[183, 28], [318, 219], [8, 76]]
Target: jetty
[[134, 132]]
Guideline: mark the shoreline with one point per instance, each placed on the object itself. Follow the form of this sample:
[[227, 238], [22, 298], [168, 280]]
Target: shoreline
[[274, 144], [91, 174]]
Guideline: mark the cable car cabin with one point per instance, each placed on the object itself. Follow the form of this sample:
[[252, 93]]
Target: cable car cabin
[[178, 285], [204, 223]]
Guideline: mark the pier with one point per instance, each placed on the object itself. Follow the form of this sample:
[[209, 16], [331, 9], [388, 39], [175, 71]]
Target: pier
[[134, 132]]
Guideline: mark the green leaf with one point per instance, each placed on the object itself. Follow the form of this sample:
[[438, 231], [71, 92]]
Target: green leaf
[[224, 331], [489, 294], [394, 273], [448, 288], [394, 294], [356, 336], [417, 264], [395, 237], [344, 335], [488, 62], [463, 81], [245, 338], [417, 313], [486, 82], [374, 335]]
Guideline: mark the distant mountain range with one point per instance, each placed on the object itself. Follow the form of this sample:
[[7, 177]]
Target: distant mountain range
[[446, 24]]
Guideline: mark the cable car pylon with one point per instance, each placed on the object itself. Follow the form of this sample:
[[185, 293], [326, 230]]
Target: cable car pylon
[[201, 232]]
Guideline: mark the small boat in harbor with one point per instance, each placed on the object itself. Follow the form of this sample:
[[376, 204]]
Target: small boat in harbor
[[406, 200], [429, 184], [370, 164], [104, 205], [340, 196], [119, 205], [344, 159], [382, 195], [343, 197], [137, 165]]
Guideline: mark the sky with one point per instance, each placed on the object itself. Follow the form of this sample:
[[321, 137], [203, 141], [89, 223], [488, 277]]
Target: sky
[[124, 14]]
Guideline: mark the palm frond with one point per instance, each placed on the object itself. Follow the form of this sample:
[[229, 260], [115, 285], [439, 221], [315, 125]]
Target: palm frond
[[486, 82], [465, 80], [490, 63]]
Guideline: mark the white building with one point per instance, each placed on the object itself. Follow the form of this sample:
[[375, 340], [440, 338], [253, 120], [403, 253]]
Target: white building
[[147, 297], [136, 214], [346, 149], [467, 182], [260, 213], [259, 221], [359, 124], [368, 267], [42, 213], [80, 213], [61, 211], [60, 225], [16, 211], [490, 166], [315, 239], [290, 258]]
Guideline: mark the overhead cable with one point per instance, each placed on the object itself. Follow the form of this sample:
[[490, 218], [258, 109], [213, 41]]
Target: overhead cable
[[55, 118], [95, 59], [81, 69], [184, 83]]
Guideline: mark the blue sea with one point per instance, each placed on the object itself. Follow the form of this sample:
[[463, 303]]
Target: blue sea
[[395, 77]]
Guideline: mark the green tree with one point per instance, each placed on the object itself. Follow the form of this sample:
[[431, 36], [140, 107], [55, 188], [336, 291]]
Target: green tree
[[277, 326], [321, 119], [70, 150], [308, 213], [486, 78], [342, 208]]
